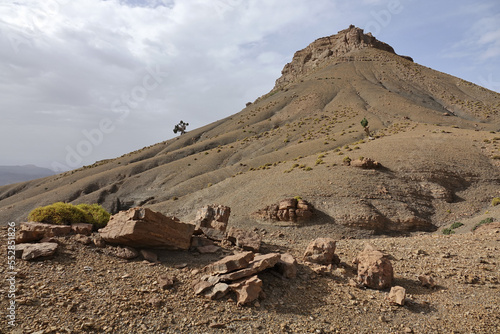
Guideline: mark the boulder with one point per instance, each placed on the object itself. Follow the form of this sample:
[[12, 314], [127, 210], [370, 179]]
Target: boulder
[[287, 266], [259, 264], [374, 269], [142, 227], [34, 231], [34, 251], [230, 263], [247, 240], [247, 290], [397, 295], [321, 250], [290, 209], [81, 228], [213, 217]]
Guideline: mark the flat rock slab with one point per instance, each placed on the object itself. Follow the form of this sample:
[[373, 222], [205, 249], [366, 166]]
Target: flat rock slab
[[34, 251], [34, 231], [260, 263], [142, 227], [230, 263]]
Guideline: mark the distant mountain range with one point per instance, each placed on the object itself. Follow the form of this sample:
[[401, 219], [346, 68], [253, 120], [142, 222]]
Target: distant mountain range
[[14, 174]]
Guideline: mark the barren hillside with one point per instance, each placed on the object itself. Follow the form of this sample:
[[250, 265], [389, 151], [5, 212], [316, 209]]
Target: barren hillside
[[434, 134]]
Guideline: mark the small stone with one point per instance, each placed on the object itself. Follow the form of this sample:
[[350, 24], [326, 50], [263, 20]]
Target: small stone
[[34, 251], [98, 241], [155, 302], [81, 228], [126, 253], [397, 295], [219, 291], [165, 282], [209, 249], [83, 239], [217, 325], [202, 286], [247, 290], [427, 281], [149, 255]]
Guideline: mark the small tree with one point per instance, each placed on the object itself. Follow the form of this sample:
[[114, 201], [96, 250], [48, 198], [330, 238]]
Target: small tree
[[364, 124], [181, 127]]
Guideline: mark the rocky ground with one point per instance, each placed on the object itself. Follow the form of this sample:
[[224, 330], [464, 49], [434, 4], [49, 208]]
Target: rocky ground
[[85, 289]]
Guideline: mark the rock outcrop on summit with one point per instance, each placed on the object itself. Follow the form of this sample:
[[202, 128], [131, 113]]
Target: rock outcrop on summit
[[330, 48]]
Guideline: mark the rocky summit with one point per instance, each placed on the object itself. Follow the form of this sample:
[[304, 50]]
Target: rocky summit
[[360, 195]]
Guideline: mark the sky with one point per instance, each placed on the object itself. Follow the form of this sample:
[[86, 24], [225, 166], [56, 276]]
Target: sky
[[86, 80]]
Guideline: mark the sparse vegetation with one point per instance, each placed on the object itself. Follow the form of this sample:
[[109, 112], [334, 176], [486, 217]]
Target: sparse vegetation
[[495, 201], [483, 222], [448, 231], [456, 225]]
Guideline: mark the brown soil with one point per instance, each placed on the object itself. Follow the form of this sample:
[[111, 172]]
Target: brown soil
[[84, 290]]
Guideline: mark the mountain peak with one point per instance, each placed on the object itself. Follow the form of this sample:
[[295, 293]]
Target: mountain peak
[[327, 48]]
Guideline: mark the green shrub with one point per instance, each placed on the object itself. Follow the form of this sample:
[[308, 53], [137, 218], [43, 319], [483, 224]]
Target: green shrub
[[66, 214], [448, 231], [483, 222], [456, 225], [59, 213], [495, 201], [100, 217], [298, 198]]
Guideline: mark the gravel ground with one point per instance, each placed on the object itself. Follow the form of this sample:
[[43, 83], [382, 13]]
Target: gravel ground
[[84, 289]]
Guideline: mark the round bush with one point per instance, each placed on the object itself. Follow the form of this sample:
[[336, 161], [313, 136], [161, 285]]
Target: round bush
[[99, 215], [59, 213]]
